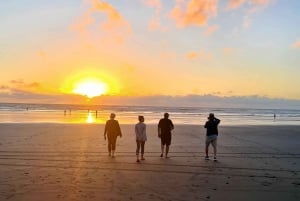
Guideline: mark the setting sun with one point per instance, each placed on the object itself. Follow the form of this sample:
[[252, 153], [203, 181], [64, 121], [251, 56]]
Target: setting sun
[[90, 88]]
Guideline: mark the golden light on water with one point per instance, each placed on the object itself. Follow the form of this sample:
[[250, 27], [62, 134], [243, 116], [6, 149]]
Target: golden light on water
[[90, 119]]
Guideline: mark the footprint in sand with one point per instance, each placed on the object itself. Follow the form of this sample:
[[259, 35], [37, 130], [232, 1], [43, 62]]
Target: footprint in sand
[[296, 184], [265, 183]]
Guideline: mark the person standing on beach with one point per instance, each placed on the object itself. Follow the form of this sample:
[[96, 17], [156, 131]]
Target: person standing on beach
[[141, 137], [165, 126], [112, 130], [211, 134]]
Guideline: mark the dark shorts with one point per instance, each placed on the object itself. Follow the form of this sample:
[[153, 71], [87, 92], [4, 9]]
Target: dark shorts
[[166, 139]]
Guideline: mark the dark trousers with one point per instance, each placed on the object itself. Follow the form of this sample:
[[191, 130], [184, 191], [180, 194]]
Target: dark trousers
[[140, 144], [111, 143]]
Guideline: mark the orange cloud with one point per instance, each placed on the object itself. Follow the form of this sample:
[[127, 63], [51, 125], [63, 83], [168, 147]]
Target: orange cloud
[[193, 12], [153, 3], [254, 4], [211, 29], [154, 24], [192, 55], [114, 24], [21, 84], [202, 54], [228, 50], [246, 22], [296, 44], [234, 4], [258, 4], [167, 55]]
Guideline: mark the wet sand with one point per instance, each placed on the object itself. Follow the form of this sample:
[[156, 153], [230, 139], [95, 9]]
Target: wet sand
[[70, 162]]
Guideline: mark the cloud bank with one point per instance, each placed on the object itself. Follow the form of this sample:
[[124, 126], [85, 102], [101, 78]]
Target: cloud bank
[[212, 101]]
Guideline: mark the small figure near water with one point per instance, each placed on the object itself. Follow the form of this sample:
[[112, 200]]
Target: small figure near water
[[165, 126], [211, 134], [112, 130], [141, 137], [274, 116]]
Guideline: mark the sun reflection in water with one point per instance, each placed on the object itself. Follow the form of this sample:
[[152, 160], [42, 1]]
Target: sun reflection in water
[[90, 119]]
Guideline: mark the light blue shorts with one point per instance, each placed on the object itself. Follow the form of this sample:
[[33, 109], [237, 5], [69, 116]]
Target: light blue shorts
[[211, 139]]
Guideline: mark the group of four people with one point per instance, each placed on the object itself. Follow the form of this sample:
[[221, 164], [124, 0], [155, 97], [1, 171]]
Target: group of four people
[[112, 130]]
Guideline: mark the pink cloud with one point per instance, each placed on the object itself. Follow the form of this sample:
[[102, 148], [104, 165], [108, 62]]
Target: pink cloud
[[296, 44], [211, 29], [193, 12]]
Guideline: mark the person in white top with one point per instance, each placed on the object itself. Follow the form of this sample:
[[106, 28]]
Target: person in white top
[[141, 137]]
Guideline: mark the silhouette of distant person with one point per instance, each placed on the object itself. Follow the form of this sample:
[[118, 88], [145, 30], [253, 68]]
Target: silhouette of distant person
[[141, 137], [112, 130], [274, 116], [165, 126], [211, 134]]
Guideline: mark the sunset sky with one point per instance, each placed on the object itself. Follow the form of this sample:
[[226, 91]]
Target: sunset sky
[[149, 48]]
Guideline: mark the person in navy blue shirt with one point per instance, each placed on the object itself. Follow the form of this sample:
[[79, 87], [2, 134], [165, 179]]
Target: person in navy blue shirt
[[211, 134]]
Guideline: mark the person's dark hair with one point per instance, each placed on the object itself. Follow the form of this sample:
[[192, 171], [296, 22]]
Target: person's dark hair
[[166, 115], [211, 116], [112, 115], [141, 118]]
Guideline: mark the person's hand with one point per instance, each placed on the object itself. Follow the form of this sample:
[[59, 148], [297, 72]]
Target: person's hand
[[104, 137], [120, 135], [159, 135]]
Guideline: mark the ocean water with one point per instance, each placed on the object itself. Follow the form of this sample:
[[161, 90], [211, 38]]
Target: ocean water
[[98, 114]]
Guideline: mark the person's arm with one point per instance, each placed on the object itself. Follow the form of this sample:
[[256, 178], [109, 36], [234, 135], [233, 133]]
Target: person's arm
[[136, 130], [159, 129], [217, 121], [205, 125], [105, 130], [119, 128], [172, 125]]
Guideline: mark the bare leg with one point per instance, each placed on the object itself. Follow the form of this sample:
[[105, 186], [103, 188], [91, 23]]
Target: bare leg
[[109, 148], [167, 150], [214, 144], [206, 150], [162, 150], [137, 151], [113, 153], [142, 150]]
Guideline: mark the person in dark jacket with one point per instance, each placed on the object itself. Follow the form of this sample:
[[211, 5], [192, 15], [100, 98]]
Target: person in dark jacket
[[112, 130], [165, 126], [211, 134]]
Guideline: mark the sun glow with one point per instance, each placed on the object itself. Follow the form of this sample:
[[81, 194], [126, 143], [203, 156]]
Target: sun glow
[[90, 88]]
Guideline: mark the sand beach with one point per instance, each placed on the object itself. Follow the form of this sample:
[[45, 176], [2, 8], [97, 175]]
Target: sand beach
[[70, 162]]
